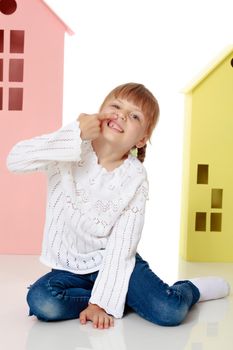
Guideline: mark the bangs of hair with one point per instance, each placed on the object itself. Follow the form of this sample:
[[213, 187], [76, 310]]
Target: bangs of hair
[[134, 94], [139, 95]]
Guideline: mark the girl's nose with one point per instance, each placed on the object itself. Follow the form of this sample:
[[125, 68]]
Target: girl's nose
[[121, 115]]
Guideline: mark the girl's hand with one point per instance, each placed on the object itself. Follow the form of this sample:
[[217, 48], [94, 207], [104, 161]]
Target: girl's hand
[[90, 124], [97, 315]]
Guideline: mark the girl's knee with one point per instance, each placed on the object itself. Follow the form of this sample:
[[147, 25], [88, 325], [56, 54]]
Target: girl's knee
[[173, 317], [42, 304], [168, 313]]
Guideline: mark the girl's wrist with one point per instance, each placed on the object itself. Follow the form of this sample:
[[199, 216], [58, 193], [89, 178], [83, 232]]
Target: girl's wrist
[[94, 305]]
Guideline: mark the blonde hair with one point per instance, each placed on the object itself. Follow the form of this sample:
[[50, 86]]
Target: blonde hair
[[145, 100]]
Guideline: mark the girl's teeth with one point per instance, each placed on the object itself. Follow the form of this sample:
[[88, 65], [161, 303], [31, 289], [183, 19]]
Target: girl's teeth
[[113, 126]]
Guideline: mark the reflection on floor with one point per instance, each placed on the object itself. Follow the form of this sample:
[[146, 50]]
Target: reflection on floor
[[208, 325]]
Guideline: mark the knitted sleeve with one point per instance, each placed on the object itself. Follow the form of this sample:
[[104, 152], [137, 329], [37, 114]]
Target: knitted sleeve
[[39, 152], [111, 285]]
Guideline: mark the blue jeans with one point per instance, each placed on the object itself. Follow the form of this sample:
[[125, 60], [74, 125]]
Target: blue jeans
[[62, 295]]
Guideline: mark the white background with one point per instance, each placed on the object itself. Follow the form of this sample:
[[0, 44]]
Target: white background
[[163, 44]]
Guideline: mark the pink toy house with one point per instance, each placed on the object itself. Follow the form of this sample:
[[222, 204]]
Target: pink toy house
[[31, 95]]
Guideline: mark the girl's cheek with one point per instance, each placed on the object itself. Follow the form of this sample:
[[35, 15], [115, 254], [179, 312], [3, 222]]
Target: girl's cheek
[[108, 110]]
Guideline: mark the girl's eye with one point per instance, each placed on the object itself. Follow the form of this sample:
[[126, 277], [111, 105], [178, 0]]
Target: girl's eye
[[135, 116], [115, 106]]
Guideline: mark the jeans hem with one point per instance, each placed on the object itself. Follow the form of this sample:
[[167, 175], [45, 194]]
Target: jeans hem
[[195, 291]]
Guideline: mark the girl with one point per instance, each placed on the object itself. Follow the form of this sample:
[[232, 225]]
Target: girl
[[97, 192]]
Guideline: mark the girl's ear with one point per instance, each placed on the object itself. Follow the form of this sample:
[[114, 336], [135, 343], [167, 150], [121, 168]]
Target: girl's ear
[[142, 142]]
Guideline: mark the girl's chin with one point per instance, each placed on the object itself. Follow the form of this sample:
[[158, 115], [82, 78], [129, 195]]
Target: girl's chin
[[110, 137]]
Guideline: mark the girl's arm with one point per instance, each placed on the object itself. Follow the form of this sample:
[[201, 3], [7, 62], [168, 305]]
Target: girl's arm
[[111, 284], [39, 152]]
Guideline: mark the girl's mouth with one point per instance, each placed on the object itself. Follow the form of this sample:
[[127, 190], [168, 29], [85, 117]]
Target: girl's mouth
[[113, 125]]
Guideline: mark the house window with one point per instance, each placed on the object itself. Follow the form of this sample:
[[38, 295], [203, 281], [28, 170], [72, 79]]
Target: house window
[[7, 7], [15, 99], [17, 41], [1, 40], [12, 67], [216, 198], [1, 97], [16, 70], [202, 173], [215, 222], [200, 223], [1, 69]]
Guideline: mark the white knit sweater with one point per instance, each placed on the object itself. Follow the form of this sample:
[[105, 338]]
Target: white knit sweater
[[94, 217]]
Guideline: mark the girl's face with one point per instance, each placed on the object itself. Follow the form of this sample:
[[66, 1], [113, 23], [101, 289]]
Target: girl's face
[[129, 128]]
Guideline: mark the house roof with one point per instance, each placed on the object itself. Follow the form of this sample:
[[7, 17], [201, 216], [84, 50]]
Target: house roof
[[67, 28], [208, 70]]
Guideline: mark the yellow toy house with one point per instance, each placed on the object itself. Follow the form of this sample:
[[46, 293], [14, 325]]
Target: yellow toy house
[[207, 198]]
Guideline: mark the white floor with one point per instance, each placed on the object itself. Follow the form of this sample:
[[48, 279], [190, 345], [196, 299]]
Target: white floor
[[209, 326]]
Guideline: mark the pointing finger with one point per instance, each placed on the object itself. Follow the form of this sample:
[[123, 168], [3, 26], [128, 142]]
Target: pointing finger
[[104, 116]]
